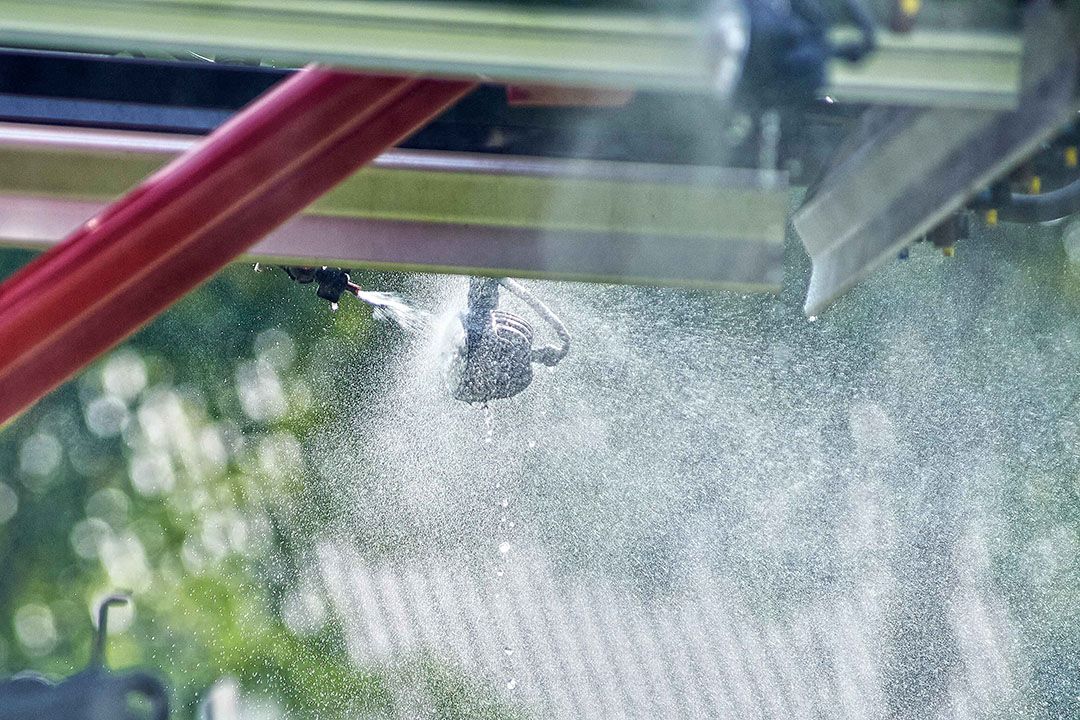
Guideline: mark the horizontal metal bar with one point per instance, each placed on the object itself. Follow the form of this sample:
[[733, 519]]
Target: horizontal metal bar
[[95, 140], [573, 46], [928, 68], [585, 196], [558, 45], [453, 212], [706, 262]]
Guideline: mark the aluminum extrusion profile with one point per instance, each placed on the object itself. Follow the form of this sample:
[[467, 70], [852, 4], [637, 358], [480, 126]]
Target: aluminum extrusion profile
[[569, 46], [448, 212]]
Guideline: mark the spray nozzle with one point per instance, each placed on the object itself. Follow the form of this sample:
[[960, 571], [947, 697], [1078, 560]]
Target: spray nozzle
[[332, 282], [496, 357]]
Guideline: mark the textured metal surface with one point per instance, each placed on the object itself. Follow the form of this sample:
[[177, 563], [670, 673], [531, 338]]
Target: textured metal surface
[[906, 169], [598, 47], [588, 47], [183, 223], [449, 212], [928, 68]]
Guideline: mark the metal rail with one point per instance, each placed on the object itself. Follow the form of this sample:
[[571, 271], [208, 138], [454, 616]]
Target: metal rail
[[557, 45], [175, 229], [929, 68], [448, 212]]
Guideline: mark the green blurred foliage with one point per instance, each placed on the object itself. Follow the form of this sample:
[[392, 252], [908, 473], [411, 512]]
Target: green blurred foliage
[[174, 467]]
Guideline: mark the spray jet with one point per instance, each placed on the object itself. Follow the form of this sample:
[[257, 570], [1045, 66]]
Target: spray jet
[[496, 356]]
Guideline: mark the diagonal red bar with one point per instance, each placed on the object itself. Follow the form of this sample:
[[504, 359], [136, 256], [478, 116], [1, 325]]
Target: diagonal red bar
[[195, 215]]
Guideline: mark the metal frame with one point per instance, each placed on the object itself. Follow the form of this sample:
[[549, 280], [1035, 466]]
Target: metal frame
[[187, 220], [535, 44], [907, 169], [448, 212]]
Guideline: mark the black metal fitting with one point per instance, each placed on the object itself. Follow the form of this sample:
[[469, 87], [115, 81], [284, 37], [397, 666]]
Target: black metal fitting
[[332, 282], [96, 693]]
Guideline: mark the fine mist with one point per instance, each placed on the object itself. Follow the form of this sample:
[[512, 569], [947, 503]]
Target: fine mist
[[715, 508]]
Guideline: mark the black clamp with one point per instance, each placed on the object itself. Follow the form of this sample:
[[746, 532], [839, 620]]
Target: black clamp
[[333, 282]]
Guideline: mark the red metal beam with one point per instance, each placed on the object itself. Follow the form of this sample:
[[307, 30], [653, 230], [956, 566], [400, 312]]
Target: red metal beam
[[193, 216]]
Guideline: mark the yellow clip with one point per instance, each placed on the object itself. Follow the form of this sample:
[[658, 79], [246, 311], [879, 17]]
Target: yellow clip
[[1035, 185], [992, 216], [910, 7], [1072, 158], [948, 251]]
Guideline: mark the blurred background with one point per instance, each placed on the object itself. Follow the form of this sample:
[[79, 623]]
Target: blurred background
[[713, 507]]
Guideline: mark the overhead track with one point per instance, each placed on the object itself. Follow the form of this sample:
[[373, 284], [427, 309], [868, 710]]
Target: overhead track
[[450, 212], [571, 46]]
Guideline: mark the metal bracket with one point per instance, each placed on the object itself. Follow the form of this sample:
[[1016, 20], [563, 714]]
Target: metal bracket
[[905, 169]]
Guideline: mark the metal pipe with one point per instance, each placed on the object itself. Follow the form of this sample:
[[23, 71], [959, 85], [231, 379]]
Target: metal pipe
[[189, 219]]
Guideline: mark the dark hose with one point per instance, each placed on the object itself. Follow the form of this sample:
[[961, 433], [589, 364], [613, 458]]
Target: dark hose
[[1044, 207]]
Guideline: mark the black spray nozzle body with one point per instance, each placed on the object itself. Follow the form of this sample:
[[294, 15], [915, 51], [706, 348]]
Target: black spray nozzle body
[[496, 357], [96, 693], [332, 282]]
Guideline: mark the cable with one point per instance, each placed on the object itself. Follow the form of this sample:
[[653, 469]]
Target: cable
[[548, 355], [1044, 207]]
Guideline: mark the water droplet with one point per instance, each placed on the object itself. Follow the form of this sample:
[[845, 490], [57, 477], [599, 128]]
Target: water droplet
[[512, 684], [812, 318], [504, 548], [508, 651], [498, 573]]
